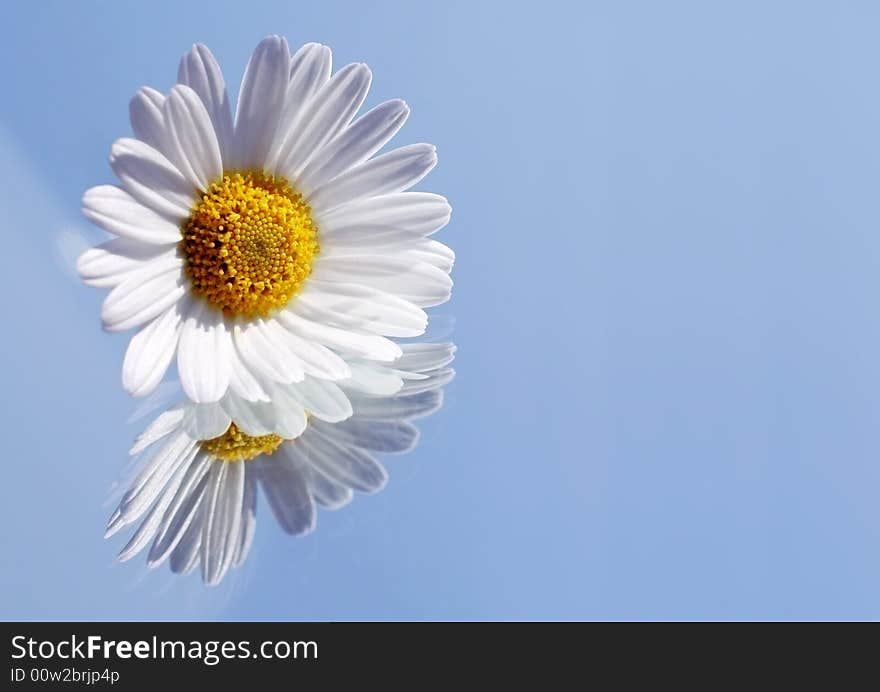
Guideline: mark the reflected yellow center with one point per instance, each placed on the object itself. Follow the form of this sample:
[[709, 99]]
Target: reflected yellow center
[[249, 244], [234, 445]]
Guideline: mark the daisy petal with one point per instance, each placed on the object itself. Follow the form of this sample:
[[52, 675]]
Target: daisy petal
[[422, 213], [145, 488], [283, 481], [392, 437], [145, 113], [182, 510], [327, 493], [185, 556], [205, 421], [399, 407], [316, 360], [373, 381], [248, 520], [426, 357], [192, 143], [110, 263], [151, 522], [358, 239], [418, 283], [360, 307], [358, 142], [432, 252], [242, 381], [252, 418], [346, 465], [199, 71], [261, 352], [313, 59], [164, 424], [152, 179], [392, 172], [327, 113], [322, 399], [203, 356], [220, 534], [309, 71], [150, 353], [366, 346], [116, 211], [290, 416], [437, 379], [260, 101], [145, 294], [408, 247]]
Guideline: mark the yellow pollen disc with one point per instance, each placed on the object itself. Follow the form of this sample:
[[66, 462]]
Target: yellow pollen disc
[[249, 244], [234, 445]]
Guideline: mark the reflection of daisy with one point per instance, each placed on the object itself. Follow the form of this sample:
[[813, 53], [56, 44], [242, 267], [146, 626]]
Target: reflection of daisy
[[196, 498], [254, 248]]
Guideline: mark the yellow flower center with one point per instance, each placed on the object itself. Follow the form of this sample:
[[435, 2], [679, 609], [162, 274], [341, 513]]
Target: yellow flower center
[[249, 244], [234, 445]]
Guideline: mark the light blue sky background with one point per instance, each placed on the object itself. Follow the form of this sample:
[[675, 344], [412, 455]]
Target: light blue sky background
[[667, 305]]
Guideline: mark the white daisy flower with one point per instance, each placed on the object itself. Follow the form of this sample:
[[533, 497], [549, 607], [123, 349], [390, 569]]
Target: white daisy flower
[[255, 249], [195, 497]]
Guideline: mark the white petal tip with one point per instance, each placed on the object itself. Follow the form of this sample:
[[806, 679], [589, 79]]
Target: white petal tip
[[113, 526], [125, 555]]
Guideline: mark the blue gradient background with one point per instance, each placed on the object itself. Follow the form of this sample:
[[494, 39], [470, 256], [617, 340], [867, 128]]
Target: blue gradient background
[[667, 292]]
